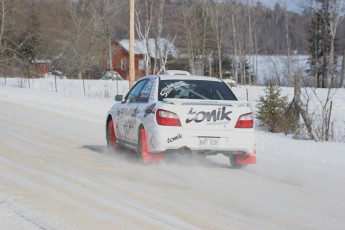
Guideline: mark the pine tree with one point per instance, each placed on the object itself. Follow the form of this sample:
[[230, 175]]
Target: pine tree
[[271, 108]]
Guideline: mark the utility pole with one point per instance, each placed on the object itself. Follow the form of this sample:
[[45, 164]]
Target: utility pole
[[131, 44]]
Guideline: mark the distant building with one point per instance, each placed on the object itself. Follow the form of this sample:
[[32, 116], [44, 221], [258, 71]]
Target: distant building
[[41, 66], [120, 62]]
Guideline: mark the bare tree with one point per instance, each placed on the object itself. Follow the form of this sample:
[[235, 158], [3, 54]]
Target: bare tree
[[342, 75], [144, 20], [327, 17], [196, 34], [317, 117], [190, 29], [336, 6], [218, 22], [288, 46], [160, 65], [250, 35], [231, 9], [4, 11], [53, 19], [107, 21], [149, 27], [3, 18], [81, 38], [19, 37]]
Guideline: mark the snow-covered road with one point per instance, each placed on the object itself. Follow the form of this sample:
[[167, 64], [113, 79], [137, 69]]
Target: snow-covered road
[[55, 173]]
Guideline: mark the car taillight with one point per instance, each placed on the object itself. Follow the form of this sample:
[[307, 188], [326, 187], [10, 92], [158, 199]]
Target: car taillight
[[167, 118], [245, 121]]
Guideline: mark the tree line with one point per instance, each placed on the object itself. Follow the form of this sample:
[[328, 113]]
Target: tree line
[[213, 37]]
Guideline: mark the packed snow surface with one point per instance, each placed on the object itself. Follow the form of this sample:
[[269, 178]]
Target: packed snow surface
[[55, 171]]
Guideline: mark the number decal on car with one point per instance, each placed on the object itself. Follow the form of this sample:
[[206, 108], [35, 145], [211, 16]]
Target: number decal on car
[[208, 142]]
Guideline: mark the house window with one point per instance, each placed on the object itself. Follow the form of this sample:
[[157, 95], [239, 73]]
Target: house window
[[141, 64], [123, 64]]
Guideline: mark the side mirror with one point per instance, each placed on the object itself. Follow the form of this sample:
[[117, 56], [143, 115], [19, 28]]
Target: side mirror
[[118, 97]]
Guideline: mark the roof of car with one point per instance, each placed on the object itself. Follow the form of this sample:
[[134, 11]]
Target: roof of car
[[176, 72], [187, 77]]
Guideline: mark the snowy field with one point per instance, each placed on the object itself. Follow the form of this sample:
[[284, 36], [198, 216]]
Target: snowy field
[[55, 172], [275, 67]]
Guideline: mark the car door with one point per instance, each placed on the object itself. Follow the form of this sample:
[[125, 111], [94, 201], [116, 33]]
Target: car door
[[141, 106], [130, 111], [138, 110]]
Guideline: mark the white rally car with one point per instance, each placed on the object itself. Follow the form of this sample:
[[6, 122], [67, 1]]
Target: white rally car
[[169, 114]]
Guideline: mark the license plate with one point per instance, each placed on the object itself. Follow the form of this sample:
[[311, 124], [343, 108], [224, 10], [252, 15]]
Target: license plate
[[209, 142]]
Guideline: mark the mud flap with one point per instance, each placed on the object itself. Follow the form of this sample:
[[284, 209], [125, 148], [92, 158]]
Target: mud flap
[[111, 137], [146, 156], [246, 159]]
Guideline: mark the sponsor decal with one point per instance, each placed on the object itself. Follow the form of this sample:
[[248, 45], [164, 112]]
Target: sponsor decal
[[131, 122], [173, 86], [150, 109], [219, 114], [135, 112], [129, 125], [224, 123], [175, 138]]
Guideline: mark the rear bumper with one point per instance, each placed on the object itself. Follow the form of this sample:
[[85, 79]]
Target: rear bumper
[[165, 139]]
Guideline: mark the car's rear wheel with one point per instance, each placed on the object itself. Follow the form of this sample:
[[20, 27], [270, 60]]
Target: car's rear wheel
[[111, 136], [234, 163]]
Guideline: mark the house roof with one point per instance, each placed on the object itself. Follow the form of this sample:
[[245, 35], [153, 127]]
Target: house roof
[[42, 61], [150, 47]]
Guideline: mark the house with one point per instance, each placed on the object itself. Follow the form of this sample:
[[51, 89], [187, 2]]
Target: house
[[120, 56], [41, 66]]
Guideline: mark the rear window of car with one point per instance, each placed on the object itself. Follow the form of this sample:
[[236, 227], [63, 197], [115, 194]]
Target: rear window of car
[[194, 89]]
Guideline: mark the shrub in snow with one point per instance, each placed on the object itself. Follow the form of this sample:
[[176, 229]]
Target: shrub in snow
[[271, 109]]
